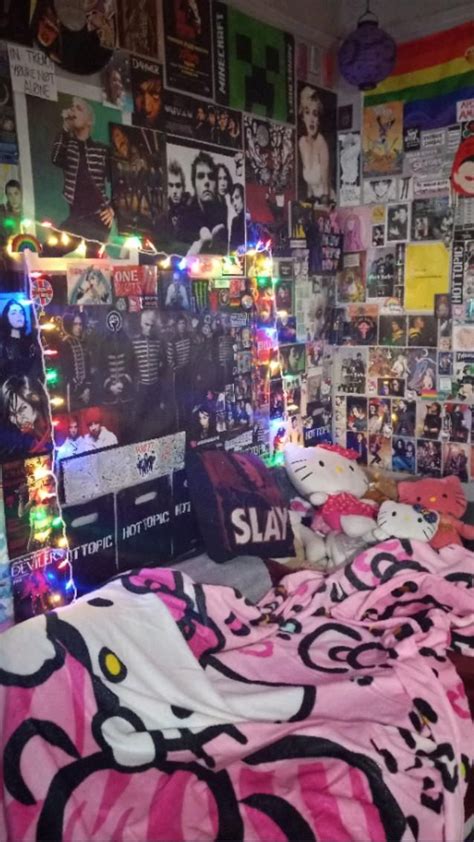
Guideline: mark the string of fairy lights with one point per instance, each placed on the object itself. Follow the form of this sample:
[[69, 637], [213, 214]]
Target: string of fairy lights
[[60, 239], [46, 516]]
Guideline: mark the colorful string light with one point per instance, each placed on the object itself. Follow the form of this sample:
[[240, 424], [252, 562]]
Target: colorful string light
[[49, 527], [58, 237]]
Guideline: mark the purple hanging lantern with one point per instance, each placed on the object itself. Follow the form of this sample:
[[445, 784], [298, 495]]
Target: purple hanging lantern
[[368, 54]]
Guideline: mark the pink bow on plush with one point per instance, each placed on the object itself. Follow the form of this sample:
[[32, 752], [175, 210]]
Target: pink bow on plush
[[343, 451]]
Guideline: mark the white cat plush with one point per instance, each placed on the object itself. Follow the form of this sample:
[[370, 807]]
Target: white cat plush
[[402, 520], [329, 477]]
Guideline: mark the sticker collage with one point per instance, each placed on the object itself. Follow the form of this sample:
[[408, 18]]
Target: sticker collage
[[404, 371]]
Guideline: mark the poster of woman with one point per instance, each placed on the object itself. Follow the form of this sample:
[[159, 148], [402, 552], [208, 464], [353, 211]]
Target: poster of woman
[[317, 144]]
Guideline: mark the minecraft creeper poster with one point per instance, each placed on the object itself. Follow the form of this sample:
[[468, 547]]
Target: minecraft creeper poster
[[253, 65]]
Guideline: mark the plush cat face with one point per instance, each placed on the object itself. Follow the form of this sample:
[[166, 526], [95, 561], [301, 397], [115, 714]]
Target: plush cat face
[[445, 496], [401, 520], [317, 473]]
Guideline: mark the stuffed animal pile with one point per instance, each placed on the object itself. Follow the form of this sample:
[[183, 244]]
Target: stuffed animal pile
[[342, 511]]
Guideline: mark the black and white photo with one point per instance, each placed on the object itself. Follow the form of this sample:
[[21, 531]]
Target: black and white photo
[[205, 198]]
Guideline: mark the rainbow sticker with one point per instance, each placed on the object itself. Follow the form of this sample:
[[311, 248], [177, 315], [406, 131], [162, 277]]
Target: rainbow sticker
[[22, 242]]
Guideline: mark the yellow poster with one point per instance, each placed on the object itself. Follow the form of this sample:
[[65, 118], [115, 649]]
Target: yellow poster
[[426, 274], [382, 139]]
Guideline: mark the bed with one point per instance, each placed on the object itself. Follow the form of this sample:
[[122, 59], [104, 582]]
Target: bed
[[155, 708]]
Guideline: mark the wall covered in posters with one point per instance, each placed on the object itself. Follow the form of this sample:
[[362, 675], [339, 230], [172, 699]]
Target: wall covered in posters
[[201, 149], [403, 375], [117, 360]]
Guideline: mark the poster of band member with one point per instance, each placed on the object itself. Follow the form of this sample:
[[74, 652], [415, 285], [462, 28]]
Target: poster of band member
[[138, 26], [25, 426], [85, 431], [71, 165], [317, 144], [211, 374], [8, 136], [11, 203], [382, 271], [194, 118], [253, 65], [270, 170], [206, 201], [147, 92], [188, 46], [137, 174]]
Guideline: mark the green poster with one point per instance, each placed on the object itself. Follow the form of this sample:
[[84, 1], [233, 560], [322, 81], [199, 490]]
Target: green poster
[[253, 65]]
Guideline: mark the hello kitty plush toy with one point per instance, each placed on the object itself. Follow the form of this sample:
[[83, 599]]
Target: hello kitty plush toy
[[403, 521], [445, 496], [329, 477]]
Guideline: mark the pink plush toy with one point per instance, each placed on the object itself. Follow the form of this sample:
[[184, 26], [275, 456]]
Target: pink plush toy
[[445, 496]]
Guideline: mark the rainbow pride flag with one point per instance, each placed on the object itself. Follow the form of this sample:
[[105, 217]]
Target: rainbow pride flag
[[431, 75]]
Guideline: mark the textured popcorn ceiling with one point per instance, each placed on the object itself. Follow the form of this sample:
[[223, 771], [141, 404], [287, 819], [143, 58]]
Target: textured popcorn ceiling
[[407, 17], [323, 21]]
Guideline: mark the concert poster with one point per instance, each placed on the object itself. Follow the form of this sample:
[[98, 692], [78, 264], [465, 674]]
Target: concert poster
[[188, 46]]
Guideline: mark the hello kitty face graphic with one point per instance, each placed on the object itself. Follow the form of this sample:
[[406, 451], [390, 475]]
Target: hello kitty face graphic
[[318, 472], [401, 520]]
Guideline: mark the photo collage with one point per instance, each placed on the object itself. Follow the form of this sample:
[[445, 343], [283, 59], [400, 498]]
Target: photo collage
[[404, 311]]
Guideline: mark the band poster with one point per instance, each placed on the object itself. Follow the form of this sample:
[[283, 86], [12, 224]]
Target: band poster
[[138, 27], [188, 46], [206, 200], [144, 365], [58, 196], [188, 117], [270, 170]]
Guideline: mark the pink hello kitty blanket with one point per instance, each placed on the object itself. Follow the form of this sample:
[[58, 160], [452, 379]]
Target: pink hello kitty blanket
[[157, 709]]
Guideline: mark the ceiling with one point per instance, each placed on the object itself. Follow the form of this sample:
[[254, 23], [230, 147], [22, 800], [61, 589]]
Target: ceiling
[[406, 18], [324, 21]]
